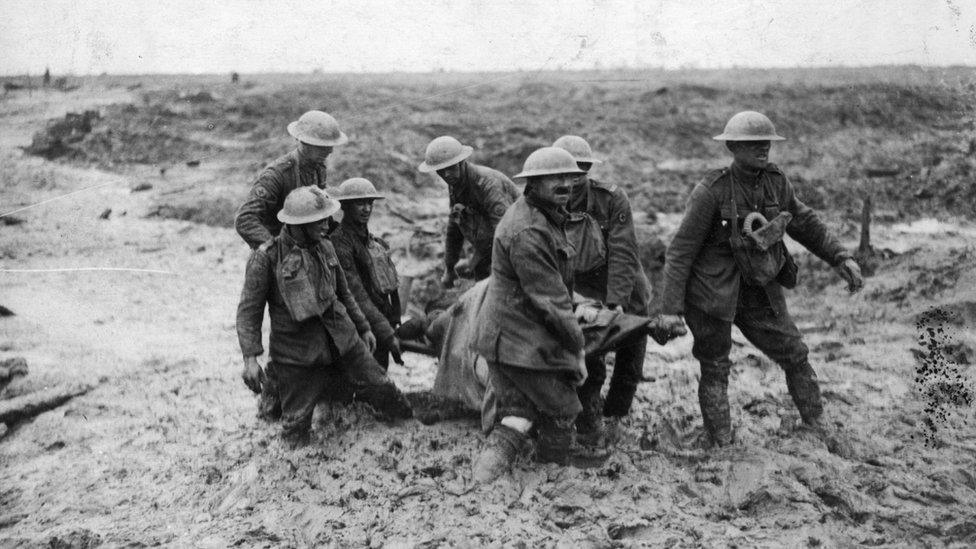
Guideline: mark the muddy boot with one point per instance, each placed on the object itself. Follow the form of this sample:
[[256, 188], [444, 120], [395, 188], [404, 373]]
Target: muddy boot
[[388, 401], [589, 424], [503, 446], [837, 442], [801, 381], [554, 442], [714, 402]]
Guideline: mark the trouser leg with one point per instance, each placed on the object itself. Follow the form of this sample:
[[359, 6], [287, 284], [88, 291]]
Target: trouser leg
[[481, 264], [628, 369], [269, 404], [300, 388], [777, 337], [382, 355], [589, 422], [371, 384], [548, 399], [711, 347]]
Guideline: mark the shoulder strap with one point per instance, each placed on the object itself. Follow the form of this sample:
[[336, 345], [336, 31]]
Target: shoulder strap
[[735, 237]]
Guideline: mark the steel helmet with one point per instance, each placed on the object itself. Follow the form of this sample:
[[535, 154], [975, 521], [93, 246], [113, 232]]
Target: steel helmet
[[307, 205], [578, 147], [749, 126], [549, 161], [442, 152], [317, 128], [356, 188]]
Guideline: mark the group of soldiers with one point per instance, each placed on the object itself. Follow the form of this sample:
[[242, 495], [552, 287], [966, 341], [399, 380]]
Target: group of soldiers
[[331, 287]]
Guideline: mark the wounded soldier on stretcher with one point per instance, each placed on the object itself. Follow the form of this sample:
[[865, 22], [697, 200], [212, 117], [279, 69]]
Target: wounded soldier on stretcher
[[461, 388]]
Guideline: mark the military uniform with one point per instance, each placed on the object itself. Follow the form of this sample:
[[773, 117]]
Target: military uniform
[[257, 224], [315, 330], [618, 280], [527, 331], [256, 221], [373, 281], [702, 282], [478, 202]]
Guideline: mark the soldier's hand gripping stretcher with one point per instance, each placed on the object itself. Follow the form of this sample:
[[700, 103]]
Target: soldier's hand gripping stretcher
[[664, 328]]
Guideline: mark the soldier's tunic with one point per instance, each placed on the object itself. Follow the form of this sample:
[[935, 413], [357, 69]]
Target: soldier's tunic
[[478, 202], [620, 280], [527, 331], [256, 219], [702, 282], [372, 279], [315, 329]]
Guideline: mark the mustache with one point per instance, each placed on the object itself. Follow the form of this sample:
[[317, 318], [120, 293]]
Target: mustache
[[561, 190]]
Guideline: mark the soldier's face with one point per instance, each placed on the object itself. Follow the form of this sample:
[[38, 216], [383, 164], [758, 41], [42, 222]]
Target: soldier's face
[[360, 210], [554, 189], [750, 154], [315, 154], [579, 181], [451, 174], [314, 231]]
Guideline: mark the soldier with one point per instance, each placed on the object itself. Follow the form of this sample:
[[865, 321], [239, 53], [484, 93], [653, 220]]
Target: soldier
[[607, 271], [527, 330], [370, 272], [716, 277], [317, 329], [479, 197], [317, 133]]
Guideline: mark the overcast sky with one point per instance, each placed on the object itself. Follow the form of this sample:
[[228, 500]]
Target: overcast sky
[[199, 36]]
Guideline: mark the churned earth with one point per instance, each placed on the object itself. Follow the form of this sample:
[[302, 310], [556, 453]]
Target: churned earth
[[166, 449]]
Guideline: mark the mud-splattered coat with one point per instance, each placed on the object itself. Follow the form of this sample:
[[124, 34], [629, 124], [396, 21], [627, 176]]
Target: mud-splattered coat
[[478, 203], [527, 317], [257, 220], [699, 269], [306, 342], [381, 309], [621, 280]]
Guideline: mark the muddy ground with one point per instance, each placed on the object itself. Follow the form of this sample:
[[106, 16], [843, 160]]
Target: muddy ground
[[166, 450]]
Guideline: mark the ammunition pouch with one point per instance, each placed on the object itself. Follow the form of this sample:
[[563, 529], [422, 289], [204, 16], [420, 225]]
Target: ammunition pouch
[[298, 291], [383, 271]]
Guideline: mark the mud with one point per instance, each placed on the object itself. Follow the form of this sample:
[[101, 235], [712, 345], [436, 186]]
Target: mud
[[166, 450]]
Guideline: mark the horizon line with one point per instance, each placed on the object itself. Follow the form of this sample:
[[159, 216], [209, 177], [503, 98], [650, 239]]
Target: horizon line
[[435, 72]]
